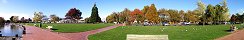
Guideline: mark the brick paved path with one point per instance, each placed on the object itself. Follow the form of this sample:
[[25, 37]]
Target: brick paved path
[[237, 35], [35, 33]]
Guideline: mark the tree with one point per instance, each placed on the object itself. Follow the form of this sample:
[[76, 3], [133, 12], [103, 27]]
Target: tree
[[112, 18], [2, 21], [201, 8], [225, 10], [241, 18], [218, 14], [29, 20], [152, 14], [209, 14], [54, 18], [164, 12], [233, 18], [191, 16], [237, 18], [145, 9], [182, 15], [94, 18], [73, 13], [38, 17], [11, 18], [86, 20], [174, 16], [187, 16], [200, 11], [123, 16], [14, 19], [23, 20], [137, 15], [120, 17]]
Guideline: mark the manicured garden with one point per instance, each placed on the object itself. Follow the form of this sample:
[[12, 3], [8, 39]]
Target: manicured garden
[[73, 27], [191, 32]]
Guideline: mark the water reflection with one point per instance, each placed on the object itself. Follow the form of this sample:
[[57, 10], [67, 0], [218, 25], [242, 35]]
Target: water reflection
[[2, 24], [11, 30]]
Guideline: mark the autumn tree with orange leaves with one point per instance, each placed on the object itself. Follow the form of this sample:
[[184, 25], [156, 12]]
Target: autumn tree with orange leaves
[[152, 14], [136, 15]]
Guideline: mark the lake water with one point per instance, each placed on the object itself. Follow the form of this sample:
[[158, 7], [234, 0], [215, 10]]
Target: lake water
[[11, 30]]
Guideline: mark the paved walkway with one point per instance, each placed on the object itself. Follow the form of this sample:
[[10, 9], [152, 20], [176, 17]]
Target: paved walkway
[[84, 35], [238, 35], [35, 33]]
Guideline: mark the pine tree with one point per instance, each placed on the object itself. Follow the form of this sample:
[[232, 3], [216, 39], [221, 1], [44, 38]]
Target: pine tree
[[94, 18]]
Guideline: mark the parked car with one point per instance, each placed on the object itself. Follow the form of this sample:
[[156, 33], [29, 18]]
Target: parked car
[[165, 24], [187, 23], [146, 24]]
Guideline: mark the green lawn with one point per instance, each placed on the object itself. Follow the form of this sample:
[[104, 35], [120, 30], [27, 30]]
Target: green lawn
[[194, 32], [31, 24], [74, 27]]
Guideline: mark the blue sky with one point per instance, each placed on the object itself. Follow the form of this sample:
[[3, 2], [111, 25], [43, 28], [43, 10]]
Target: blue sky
[[26, 8]]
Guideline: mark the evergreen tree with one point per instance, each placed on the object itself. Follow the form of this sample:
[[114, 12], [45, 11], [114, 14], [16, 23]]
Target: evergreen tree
[[94, 18]]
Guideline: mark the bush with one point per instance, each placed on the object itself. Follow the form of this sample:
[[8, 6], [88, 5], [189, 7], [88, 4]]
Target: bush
[[2, 21]]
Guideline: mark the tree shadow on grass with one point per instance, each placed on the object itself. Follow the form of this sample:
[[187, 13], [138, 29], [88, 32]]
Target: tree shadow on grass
[[228, 30], [54, 29]]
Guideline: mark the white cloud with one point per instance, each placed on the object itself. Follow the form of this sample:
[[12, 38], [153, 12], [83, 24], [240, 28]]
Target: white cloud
[[6, 16]]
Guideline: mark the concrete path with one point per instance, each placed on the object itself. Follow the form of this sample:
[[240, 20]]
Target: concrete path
[[35, 33], [237, 35], [84, 35]]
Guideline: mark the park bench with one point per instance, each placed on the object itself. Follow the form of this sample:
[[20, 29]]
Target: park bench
[[49, 27], [34, 24], [146, 37]]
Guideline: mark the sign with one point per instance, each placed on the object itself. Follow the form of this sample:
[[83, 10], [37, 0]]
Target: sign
[[146, 37]]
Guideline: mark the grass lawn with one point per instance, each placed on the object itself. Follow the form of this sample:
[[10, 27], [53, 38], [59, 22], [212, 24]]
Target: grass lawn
[[74, 27], [194, 32]]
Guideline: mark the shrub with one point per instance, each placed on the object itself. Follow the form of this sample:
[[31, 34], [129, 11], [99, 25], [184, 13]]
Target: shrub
[[2, 21]]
